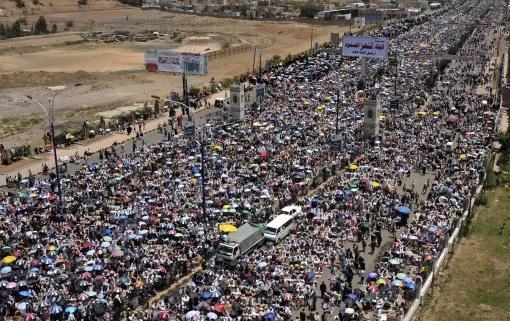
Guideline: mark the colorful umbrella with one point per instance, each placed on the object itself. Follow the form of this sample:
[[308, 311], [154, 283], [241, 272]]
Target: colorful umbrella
[[227, 228], [164, 314], [56, 309], [9, 259]]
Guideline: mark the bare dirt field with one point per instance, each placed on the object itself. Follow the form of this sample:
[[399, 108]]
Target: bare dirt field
[[112, 74]]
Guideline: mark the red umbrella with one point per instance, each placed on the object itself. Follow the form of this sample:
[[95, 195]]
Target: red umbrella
[[35, 262], [86, 276], [164, 314], [100, 277], [161, 269], [83, 297], [29, 317], [17, 253], [85, 245], [453, 118], [52, 197], [220, 308]]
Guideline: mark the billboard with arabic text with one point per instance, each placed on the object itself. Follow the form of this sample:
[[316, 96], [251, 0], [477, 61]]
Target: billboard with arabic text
[[365, 47], [176, 62]]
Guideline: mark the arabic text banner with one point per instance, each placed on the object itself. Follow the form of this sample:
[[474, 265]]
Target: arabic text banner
[[365, 47], [176, 62]]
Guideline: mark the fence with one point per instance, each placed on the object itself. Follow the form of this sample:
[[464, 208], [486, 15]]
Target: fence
[[228, 51]]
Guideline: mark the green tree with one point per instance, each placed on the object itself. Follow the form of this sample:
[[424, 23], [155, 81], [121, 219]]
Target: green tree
[[243, 9], [82, 2], [2, 31], [69, 23], [309, 10], [41, 27], [16, 30], [54, 28]]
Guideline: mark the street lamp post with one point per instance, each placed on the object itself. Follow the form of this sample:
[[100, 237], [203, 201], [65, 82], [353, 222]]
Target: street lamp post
[[52, 134], [52, 137]]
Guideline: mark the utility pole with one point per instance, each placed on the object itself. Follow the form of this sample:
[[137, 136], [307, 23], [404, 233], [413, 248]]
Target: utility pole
[[202, 171], [254, 54], [185, 89], [337, 108], [260, 67], [311, 37], [396, 76]]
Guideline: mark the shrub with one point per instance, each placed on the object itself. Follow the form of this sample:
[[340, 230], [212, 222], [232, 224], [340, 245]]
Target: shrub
[[481, 200]]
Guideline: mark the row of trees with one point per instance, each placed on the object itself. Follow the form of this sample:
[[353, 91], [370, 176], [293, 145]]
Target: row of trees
[[16, 29]]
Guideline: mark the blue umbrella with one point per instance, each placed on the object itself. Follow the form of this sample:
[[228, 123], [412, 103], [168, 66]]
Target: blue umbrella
[[410, 285], [56, 309], [71, 310], [25, 294], [215, 294], [404, 210], [5, 270], [270, 315], [311, 274], [352, 296], [207, 295]]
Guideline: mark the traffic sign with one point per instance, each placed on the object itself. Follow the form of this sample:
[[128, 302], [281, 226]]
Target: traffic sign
[[189, 129], [336, 143]]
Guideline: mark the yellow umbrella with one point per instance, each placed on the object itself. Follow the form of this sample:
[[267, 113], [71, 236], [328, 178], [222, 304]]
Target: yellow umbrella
[[320, 107], [227, 228], [380, 281], [327, 97], [51, 248], [306, 102], [139, 283], [226, 206], [178, 234], [353, 167], [218, 147], [436, 113], [375, 184], [462, 156], [9, 259], [382, 117], [422, 113]]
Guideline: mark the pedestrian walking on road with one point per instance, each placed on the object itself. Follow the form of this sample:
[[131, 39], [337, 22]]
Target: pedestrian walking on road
[[323, 288]]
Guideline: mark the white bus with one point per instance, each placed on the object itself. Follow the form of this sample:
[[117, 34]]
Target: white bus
[[278, 228]]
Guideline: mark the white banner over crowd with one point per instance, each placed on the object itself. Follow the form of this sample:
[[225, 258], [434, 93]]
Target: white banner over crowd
[[365, 47], [176, 62]]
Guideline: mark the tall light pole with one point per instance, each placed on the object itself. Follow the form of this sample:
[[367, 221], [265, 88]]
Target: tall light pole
[[52, 133], [52, 137]]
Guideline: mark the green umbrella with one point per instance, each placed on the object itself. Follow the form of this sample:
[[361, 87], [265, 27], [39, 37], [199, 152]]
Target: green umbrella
[[401, 276], [107, 238]]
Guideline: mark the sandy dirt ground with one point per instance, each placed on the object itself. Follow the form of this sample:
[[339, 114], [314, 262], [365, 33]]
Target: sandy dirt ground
[[112, 74]]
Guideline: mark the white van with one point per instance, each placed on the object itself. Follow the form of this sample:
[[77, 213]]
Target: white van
[[292, 210], [278, 228]]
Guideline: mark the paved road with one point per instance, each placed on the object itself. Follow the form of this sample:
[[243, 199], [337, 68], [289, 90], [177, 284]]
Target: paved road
[[416, 179]]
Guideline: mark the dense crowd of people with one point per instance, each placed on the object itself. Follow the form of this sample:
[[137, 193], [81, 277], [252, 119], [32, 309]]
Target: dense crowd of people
[[132, 224]]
